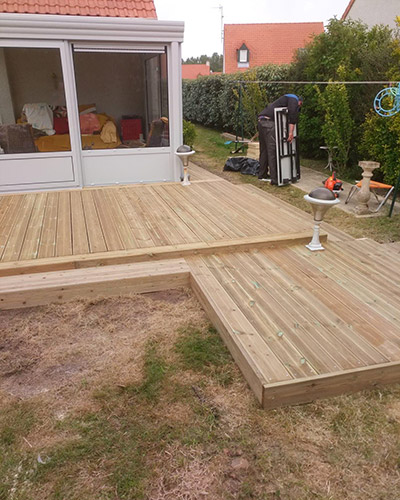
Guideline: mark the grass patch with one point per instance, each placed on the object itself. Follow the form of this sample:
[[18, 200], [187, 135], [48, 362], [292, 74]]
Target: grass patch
[[204, 351]]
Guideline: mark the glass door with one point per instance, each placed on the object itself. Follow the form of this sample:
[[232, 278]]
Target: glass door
[[34, 132], [122, 93]]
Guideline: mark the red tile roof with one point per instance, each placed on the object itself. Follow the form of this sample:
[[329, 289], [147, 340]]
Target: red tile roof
[[346, 12], [271, 43], [104, 8], [192, 71]]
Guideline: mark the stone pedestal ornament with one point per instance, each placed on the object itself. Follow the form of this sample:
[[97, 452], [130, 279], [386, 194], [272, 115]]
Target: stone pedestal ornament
[[183, 152], [364, 194], [321, 199]]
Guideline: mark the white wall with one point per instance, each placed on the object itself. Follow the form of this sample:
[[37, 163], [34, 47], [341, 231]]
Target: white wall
[[6, 108], [373, 12]]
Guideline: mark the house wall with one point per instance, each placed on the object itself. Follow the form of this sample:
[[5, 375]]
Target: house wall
[[373, 12], [6, 108]]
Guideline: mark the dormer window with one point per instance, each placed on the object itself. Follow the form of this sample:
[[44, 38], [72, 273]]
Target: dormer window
[[243, 56]]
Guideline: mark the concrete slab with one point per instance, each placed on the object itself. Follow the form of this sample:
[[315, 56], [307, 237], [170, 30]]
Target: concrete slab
[[311, 179]]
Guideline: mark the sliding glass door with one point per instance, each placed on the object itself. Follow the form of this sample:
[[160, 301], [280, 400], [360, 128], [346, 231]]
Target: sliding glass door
[[35, 145]]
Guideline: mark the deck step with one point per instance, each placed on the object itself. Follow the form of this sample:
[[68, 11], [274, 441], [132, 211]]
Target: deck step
[[61, 286]]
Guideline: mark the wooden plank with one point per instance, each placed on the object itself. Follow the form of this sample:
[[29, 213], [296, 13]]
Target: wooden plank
[[167, 216], [353, 348], [64, 229], [8, 222], [201, 220], [16, 239], [80, 242], [48, 237], [326, 386], [134, 220], [246, 299], [256, 361], [94, 232], [30, 245], [310, 336], [381, 293], [153, 254], [180, 211], [126, 235], [147, 217], [334, 233], [44, 288], [381, 334], [107, 222]]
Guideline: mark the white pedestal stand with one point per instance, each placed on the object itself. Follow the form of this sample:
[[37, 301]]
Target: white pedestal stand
[[319, 207], [184, 157]]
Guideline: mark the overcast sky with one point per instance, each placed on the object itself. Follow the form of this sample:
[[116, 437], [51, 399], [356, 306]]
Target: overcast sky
[[203, 17]]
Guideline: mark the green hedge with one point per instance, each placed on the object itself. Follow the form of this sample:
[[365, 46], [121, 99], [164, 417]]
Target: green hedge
[[213, 101]]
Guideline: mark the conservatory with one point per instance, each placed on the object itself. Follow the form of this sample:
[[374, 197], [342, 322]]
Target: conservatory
[[88, 101]]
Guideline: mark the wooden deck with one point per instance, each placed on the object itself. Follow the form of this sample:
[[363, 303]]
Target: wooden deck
[[304, 325], [300, 325], [68, 229]]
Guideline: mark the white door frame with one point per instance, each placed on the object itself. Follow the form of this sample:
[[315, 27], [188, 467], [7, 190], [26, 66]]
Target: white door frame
[[70, 99]]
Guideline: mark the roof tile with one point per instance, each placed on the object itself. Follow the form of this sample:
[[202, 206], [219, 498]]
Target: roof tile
[[106, 8], [270, 43]]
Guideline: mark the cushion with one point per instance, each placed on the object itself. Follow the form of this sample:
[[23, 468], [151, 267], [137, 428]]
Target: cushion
[[109, 133], [89, 123], [60, 125]]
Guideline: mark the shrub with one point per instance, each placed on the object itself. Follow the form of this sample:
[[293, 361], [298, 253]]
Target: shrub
[[338, 123], [189, 133], [381, 143]]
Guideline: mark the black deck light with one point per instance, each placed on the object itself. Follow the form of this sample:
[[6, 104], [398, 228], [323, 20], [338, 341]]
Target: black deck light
[[183, 152], [321, 199]]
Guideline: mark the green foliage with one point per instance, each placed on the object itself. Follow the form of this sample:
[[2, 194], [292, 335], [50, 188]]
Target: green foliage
[[213, 101], [338, 123], [189, 133], [381, 143], [205, 352], [216, 61], [346, 51]]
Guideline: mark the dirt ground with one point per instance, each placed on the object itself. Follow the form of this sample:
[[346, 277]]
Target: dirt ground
[[137, 398]]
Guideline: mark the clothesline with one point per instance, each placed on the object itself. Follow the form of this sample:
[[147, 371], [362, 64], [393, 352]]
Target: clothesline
[[383, 82]]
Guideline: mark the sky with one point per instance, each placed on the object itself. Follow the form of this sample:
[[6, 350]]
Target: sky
[[203, 17]]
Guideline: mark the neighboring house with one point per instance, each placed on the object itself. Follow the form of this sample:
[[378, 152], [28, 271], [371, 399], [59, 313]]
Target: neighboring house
[[83, 87], [193, 71], [250, 45], [373, 12]]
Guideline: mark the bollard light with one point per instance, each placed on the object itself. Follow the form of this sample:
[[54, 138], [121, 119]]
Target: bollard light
[[183, 152], [321, 199]]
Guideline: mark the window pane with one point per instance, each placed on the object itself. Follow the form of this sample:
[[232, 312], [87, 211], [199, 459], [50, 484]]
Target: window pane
[[243, 56], [122, 98], [32, 101]]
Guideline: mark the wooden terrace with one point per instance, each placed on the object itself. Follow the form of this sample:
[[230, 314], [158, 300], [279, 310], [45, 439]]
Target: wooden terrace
[[300, 325]]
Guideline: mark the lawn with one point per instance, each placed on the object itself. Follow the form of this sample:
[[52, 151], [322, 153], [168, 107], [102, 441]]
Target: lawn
[[212, 153], [128, 398]]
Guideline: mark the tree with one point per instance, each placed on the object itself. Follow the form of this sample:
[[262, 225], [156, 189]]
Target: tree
[[366, 54], [216, 61], [338, 125]]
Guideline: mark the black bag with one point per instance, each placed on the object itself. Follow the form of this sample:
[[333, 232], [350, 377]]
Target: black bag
[[242, 164]]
